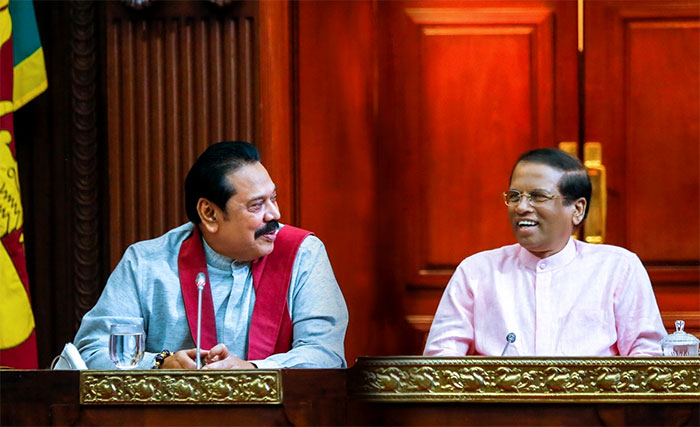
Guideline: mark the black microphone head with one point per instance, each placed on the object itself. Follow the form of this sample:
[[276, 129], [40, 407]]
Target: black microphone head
[[510, 337]]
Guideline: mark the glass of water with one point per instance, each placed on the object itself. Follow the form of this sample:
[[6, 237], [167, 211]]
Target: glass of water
[[126, 344]]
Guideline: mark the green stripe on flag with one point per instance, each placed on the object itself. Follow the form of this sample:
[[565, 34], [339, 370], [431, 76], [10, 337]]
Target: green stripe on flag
[[29, 69], [25, 32]]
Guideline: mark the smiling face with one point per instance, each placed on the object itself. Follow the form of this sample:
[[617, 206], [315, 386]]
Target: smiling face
[[545, 229], [248, 228]]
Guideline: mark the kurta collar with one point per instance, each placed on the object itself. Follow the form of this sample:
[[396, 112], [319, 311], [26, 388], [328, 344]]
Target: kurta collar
[[550, 263]]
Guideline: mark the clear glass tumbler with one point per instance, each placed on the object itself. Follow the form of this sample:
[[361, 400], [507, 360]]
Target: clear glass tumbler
[[126, 344]]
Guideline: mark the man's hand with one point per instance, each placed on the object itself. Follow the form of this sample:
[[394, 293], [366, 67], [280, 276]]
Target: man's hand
[[220, 358], [216, 358], [183, 359]]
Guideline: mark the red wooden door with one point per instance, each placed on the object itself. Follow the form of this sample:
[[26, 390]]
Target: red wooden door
[[642, 103]]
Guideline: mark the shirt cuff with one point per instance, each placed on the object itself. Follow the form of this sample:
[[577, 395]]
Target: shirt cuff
[[265, 364], [148, 360]]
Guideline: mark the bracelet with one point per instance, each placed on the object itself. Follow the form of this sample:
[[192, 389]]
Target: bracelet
[[160, 358]]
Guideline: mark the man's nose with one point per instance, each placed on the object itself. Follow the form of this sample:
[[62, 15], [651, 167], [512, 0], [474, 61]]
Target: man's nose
[[272, 212], [523, 205]]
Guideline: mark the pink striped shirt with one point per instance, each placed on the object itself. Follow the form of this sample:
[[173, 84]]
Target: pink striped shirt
[[586, 300]]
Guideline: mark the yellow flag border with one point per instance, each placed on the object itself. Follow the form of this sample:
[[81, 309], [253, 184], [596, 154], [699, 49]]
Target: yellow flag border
[[33, 81]]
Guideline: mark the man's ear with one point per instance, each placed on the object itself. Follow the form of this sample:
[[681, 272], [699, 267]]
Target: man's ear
[[209, 215], [579, 211]]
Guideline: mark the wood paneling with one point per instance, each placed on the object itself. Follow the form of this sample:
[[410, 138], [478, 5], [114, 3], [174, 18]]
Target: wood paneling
[[278, 143], [486, 81], [643, 105], [178, 81], [337, 175], [59, 149], [87, 236], [662, 132]]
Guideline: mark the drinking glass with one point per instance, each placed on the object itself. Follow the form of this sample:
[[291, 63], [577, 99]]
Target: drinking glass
[[126, 345]]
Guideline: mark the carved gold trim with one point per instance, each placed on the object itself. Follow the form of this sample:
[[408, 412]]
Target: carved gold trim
[[180, 387], [404, 379]]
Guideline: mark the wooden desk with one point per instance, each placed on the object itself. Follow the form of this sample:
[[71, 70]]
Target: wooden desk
[[376, 391], [308, 397], [516, 391]]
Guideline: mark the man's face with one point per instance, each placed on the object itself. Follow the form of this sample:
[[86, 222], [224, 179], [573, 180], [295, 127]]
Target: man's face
[[248, 229], [543, 229]]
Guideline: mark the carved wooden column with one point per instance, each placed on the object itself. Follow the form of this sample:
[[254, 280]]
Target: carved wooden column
[[86, 195]]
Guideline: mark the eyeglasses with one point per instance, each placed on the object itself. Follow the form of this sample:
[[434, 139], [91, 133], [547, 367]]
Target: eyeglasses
[[535, 198]]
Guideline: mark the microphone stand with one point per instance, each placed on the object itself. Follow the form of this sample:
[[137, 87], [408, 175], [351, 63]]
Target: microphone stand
[[201, 280]]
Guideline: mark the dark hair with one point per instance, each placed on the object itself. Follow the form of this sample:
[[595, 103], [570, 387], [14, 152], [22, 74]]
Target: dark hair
[[207, 177], [575, 182]]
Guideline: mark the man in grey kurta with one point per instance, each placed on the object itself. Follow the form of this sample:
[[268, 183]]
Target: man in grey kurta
[[146, 285]]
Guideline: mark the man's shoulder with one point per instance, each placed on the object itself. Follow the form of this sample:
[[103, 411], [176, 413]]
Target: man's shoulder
[[603, 251], [491, 257], [292, 232], [310, 247], [161, 246], [309, 251], [497, 253], [309, 243]]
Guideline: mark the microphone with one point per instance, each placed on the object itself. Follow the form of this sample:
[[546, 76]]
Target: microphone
[[510, 338], [201, 280]]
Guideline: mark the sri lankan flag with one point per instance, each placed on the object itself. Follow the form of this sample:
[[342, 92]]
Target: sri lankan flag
[[22, 77]]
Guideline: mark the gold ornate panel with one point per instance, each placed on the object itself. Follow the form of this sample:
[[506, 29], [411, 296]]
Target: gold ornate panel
[[403, 379], [180, 387]]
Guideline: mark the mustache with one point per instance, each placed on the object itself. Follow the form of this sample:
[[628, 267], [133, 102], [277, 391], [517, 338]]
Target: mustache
[[269, 227]]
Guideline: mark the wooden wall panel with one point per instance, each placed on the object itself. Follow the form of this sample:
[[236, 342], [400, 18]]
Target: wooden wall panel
[[178, 81], [337, 175], [487, 109], [479, 68], [663, 131], [475, 89], [643, 106], [278, 142]]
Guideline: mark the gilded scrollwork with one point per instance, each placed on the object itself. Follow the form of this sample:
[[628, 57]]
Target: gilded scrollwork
[[537, 379], [161, 387]]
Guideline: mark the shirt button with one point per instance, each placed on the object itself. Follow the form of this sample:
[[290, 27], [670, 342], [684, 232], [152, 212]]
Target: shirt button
[[542, 266]]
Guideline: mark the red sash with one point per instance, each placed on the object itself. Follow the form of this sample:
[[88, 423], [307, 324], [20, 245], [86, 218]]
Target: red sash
[[190, 262], [271, 326]]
